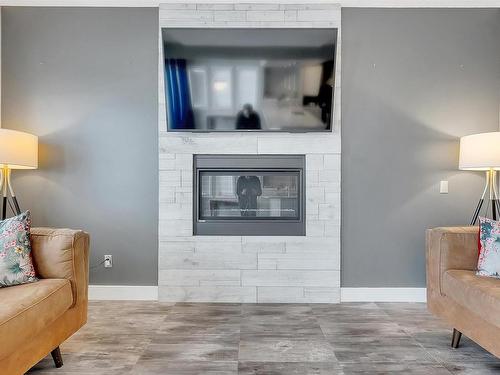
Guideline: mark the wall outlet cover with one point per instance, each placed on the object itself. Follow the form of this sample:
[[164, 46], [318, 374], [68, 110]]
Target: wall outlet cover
[[108, 261], [443, 187]]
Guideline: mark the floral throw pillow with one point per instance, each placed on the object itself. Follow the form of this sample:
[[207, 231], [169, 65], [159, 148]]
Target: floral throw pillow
[[489, 248], [16, 265]]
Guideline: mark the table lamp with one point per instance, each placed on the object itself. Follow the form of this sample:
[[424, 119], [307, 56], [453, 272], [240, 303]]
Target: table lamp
[[18, 150], [481, 152]]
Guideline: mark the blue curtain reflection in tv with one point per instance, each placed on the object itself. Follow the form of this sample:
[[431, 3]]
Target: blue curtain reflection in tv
[[180, 112]]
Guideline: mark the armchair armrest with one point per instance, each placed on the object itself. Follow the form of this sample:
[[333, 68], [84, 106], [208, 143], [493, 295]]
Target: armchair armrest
[[63, 254], [449, 248]]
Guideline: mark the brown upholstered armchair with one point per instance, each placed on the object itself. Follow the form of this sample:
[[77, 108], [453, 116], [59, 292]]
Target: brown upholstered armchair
[[469, 303], [36, 318]]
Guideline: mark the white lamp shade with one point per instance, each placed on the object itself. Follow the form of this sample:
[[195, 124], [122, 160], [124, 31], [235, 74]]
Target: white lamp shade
[[18, 150], [480, 152]]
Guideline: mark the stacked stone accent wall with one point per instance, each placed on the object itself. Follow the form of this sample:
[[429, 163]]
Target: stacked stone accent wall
[[250, 268]]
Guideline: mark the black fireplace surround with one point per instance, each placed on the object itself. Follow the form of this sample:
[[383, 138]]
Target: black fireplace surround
[[249, 195]]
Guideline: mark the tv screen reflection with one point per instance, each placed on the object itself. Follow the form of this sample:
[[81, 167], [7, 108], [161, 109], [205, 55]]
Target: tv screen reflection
[[249, 79]]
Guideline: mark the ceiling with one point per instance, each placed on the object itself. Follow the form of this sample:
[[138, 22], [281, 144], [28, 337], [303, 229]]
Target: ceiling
[[344, 3]]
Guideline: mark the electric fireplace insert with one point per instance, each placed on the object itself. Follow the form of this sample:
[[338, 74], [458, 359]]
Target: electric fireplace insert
[[249, 195]]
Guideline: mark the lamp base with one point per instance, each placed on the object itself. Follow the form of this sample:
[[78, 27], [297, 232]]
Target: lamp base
[[8, 195], [494, 202]]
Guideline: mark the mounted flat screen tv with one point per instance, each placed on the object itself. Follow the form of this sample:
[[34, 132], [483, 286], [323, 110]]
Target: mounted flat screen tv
[[249, 79]]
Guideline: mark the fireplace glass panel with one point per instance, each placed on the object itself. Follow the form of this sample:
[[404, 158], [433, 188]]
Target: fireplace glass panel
[[249, 195]]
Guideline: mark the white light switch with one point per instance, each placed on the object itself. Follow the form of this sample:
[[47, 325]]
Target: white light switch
[[443, 187]]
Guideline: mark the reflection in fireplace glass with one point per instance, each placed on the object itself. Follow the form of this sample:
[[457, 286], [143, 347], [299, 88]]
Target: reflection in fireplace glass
[[249, 195]]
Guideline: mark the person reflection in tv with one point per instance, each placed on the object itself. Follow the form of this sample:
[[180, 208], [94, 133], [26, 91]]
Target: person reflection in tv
[[247, 118], [248, 189]]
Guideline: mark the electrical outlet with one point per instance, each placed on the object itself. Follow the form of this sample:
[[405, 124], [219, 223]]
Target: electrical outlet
[[108, 261]]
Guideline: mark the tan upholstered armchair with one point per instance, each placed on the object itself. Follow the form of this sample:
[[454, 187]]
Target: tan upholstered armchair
[[469, 303], [36, 318]]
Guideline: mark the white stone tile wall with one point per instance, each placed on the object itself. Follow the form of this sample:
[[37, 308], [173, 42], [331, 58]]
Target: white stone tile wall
[[281, 269]]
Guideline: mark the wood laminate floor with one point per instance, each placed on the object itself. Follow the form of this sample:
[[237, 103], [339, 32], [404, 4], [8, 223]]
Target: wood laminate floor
[[266, 339]]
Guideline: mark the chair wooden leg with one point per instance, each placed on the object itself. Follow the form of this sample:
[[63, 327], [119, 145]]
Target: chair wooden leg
[[57, 357], [455, 340]]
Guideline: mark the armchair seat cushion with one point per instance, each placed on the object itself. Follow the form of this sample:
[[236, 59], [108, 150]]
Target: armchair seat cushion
[[478, 293], [27, 309]]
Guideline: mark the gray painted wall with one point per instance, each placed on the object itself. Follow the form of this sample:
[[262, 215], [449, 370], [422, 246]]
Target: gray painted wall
[[85, 80], [413, 81]]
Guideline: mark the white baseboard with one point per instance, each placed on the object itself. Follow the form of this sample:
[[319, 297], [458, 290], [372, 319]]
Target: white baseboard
[[123, 292], [383, 295], [150, 293]]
